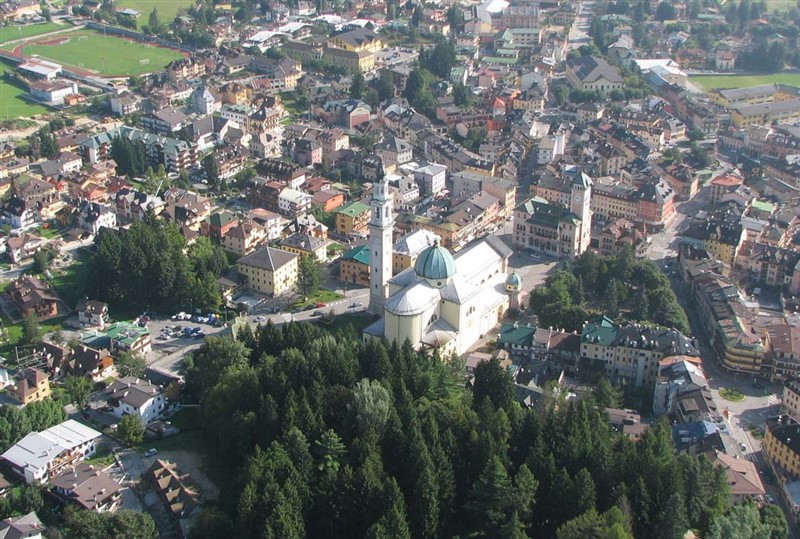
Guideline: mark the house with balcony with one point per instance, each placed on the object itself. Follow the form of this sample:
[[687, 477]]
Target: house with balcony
[[139, 398], [89, 488], [40, 456]]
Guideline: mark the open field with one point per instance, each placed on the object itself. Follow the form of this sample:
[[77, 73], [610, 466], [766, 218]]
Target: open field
[[780, 5], [15, 332], [13, 33], [741, 81], [12, 105], [71, 283], [106, 55], [167, 9]]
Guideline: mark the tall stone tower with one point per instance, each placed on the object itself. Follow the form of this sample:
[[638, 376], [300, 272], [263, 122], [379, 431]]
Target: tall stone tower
[[381, 224], [581, 202], [514, 289]]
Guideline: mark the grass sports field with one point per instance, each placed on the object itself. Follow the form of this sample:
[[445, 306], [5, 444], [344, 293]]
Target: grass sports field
[[167, 9], [106, 55], [12, 33], [11, 104], [742, 81], [780, 5]]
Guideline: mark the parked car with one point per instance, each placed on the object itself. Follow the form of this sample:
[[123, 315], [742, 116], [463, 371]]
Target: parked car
[[150, 452], [197, 329], [318, 313], [199, 335], [320, 304]]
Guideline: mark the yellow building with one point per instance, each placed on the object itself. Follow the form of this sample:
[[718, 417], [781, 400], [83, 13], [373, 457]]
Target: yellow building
[[782, 445], [244, 238], [360, 40], [234, 94], [791, 397], [306, 244], [354, 266], [353, 217], [408, 248], [31, 386], [787, 111], [269, 271], [361, 61], [754, 95]]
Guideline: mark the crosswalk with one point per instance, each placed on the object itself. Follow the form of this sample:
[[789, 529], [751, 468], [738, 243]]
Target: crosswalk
[[774, 399]]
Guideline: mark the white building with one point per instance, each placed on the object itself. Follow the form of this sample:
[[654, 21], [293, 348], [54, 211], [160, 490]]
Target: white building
[[203, 101], [550, 147], [53, 92], [431, 178], [93, 216], [124, 104], [136, 397], [293, 203], [37, 68], [381, 224], [42, 455], [442, 303], [25, 527], [447, 303]]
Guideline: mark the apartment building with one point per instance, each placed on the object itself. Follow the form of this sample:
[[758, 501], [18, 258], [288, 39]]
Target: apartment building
[[631, 353], [269, 271], [781, 445]]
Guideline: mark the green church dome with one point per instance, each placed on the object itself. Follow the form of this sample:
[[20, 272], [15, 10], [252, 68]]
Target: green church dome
[[435, 263], [514, 279]]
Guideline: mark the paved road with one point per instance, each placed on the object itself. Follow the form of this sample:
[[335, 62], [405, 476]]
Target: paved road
[[579, 31], [167, 356], [759, 403]]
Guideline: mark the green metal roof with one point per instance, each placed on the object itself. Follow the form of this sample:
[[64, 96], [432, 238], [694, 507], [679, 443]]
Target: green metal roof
[[435, 262], [359, 254], [601, 331], [516, 335], [763, 205], [514, 279], [125, 332], [222, 218], [354, 209]]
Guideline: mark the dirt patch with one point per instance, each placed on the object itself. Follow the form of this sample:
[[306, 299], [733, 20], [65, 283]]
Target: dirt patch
[[53, 41], [192, 463]]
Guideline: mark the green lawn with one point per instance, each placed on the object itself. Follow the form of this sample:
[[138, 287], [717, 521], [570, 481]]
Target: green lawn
[[742, 81], [216, 467], [49, 232], [780, 5], [15, 333], [12, 105], [102, 458], [13, 33], [358, 320], [186, 419], [322, 296], [167, 9], [106, 55], [71, 284], [731, 394]]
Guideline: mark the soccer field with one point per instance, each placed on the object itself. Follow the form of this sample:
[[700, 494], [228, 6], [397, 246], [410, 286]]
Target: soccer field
[[11, 103], [167, 9], [13, 33], [742, 81], [105, 55]]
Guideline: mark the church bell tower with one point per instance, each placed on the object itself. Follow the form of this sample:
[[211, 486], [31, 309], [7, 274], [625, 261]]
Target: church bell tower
[[381, 224]]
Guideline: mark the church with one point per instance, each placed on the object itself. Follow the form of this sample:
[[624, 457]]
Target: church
[[443, 302]]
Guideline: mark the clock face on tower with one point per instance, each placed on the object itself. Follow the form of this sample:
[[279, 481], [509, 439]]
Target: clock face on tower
[[579, 197]]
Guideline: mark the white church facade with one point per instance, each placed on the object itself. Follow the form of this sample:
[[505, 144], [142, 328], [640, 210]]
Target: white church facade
[[443, 302]]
